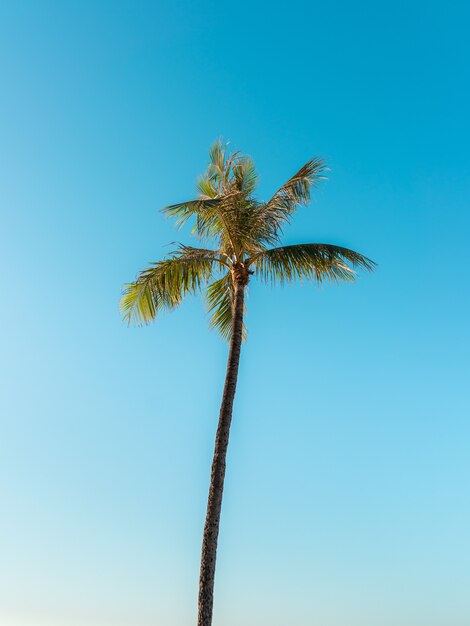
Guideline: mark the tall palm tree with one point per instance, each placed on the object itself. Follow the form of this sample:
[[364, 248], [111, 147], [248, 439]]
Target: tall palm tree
[[245, 234]]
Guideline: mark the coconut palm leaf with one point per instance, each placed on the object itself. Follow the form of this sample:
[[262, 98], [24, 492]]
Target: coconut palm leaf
[[220, 297], [165, 283], [245, 176], [295, 193], [310, 261], [183, 211]]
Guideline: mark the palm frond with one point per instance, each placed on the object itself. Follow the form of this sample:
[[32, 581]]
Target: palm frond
[[188, 253], [245, 176], [206, 187], [220, 168], [310, 261], [219, 298], [183, 211], [294, 193], [165, 283]]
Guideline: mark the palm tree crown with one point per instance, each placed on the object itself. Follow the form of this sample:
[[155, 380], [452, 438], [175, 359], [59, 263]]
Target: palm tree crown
[[245, 234]]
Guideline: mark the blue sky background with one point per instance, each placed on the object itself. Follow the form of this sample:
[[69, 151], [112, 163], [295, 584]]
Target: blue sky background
[[346, 498]]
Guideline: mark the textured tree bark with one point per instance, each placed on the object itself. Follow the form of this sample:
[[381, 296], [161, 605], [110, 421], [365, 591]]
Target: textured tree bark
[[214, 504]]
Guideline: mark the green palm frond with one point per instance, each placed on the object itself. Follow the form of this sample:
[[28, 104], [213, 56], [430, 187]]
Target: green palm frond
[[219, 298], [183, 211], [310, 261], [245, 176], [213, 220], [206, 187], [217, 155], [189, 253], [219, 174], [294, 193], [165, 283]]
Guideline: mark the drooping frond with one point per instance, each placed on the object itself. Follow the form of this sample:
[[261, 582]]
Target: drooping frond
[[220, 297], [188, 253], [183, 211], [165, 283], [294, 193], [310, 261]]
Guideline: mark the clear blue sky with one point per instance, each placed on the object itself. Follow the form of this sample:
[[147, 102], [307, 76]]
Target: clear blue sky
[[346, 499]]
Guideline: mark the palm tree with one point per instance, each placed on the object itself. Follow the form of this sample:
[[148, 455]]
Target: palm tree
[[245, 235]]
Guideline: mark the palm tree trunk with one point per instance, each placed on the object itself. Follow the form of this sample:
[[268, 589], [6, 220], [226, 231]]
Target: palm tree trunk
[[214, 504]]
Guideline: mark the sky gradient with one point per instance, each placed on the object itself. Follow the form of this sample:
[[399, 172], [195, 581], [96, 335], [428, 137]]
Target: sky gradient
[[346, 500]]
